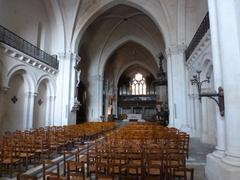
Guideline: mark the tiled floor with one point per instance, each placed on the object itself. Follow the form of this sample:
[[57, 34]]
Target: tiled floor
[[197, 157]]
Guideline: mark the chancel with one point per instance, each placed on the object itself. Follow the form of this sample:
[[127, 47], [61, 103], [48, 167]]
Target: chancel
[[120, 89]]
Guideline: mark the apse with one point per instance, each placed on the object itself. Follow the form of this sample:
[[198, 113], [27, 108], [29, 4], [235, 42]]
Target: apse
[[129, 83]]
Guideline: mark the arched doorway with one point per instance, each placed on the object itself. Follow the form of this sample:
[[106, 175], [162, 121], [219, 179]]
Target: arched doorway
[[82, 98]]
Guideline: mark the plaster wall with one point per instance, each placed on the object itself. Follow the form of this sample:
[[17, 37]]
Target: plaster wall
[[29, 20], [195, 12], [22, 80], [15, 113]]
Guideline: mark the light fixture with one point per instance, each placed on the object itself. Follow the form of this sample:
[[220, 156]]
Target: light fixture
[[218, 97]]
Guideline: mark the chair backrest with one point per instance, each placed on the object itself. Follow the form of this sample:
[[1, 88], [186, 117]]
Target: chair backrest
[[26, 177]]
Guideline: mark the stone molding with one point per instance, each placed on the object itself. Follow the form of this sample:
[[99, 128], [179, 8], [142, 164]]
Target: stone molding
[[3, 90], [20, 56], [30, 94], [203, 44], [175, 50]]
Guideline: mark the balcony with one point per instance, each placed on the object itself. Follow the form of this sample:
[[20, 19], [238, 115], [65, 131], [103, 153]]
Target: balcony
[[13, 40], [201, 31]]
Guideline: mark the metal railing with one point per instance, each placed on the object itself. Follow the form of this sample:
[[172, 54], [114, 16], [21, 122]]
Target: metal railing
[[201, 31], [13, 40]]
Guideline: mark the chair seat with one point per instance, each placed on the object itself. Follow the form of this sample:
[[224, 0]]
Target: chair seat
[[23, 155], [9, 160]]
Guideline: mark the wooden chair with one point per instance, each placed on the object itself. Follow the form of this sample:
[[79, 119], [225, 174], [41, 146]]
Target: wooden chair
[[183, 173], [51, 175], [26, 177], [9, 159]]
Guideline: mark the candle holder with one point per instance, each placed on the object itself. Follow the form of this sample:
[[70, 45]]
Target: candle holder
[[218, 97]]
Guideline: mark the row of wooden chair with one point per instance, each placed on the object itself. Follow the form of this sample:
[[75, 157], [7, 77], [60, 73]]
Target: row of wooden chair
[[137, 151], [19, 149]]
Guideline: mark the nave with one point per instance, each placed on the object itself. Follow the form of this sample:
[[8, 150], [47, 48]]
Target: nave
[[102, 151]]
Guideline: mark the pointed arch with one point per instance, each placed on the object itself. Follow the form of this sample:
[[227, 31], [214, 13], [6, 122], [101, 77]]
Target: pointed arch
[[117, 44], [152, 11]]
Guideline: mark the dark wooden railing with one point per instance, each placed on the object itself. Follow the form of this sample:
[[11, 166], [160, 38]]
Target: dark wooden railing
[[202, 29], [13, 40]]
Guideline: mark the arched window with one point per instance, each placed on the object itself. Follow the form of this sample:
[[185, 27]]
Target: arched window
[[138, 85]]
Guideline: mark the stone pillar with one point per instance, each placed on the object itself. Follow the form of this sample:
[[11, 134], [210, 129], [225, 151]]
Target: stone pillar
[[220, 148], [66, 87], [30, 109], [50, 110], [197, 112], [176, 86], [95, 97], [170, 89], [227, 24], [3, 91], [53, 100]]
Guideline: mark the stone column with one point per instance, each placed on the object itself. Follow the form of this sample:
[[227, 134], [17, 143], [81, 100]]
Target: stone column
[[30, 109], [220, 148], [177, 86], [170, 89], [53, 100], [95, 97], [197, 112], [50, 110], [3, 91], [227, 32], [66, 87]]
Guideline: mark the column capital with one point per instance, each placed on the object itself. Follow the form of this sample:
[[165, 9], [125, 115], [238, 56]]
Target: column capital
[[32, 93], [76, 57], [175, 49], [3, 90], [68, 55], [97, 77], [51, 98]]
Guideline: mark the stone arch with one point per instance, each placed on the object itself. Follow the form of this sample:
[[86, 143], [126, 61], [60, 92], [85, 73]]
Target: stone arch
[[130, 64], [108, 52], [92, 14], [16, 101], [28, 76], [51, 84], [44, 102]]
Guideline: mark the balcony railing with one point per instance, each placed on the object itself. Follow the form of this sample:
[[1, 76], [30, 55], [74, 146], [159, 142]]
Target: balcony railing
[[202, 29], [13, 40]]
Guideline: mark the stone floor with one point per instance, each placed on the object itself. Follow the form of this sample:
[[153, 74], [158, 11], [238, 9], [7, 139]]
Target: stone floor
[[197, 158]]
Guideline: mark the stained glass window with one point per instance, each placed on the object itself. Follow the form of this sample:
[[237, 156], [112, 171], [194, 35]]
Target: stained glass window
[[138, 85]]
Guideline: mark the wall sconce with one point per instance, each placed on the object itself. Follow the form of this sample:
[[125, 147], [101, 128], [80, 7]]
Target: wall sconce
[[217, 97]]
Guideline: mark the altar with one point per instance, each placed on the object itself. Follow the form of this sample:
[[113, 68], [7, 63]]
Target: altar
[[134, 116]]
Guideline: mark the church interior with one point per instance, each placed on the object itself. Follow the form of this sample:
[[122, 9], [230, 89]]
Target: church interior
[[119, 89]]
